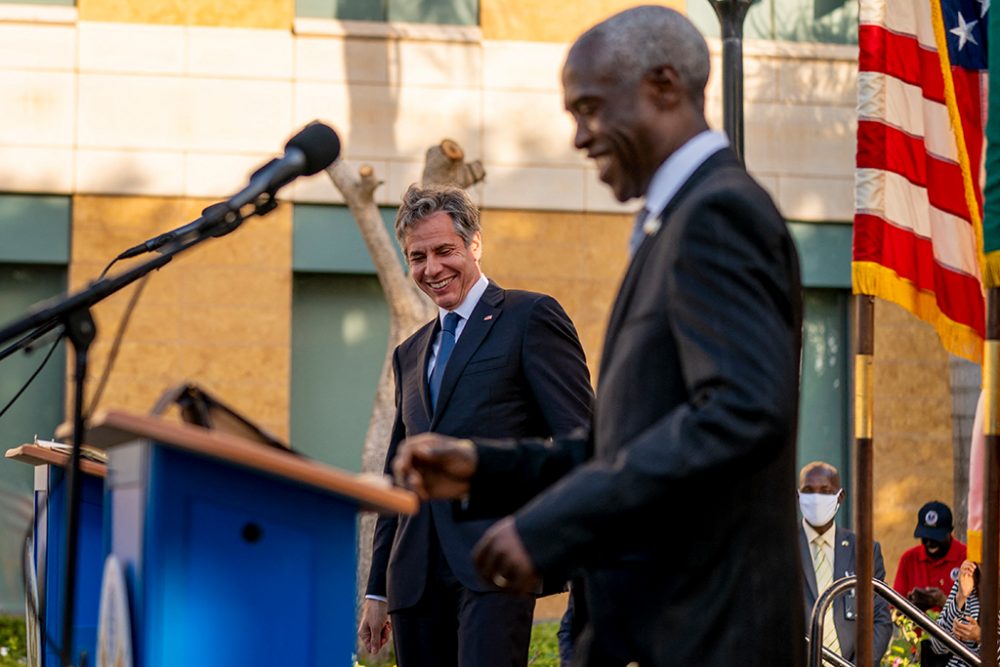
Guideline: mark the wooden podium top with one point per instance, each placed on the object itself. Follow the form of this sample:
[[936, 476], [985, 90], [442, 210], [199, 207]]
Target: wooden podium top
[[113, 427], [40, 456]]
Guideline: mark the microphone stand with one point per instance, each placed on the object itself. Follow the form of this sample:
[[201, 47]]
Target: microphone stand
[[73, 313]]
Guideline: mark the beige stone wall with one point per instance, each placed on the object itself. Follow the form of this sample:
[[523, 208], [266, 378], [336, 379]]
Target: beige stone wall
[[578, 258], [218, 315], [277, 14], [530, 20], [913, 439]]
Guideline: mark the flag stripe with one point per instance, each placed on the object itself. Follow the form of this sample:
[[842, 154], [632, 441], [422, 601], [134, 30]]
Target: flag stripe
[[906, 206], [881, 146], [920, 115], [901, 57], [903, 106], [912, 258]]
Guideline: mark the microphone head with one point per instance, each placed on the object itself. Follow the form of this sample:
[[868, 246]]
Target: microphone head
[[320, 145]]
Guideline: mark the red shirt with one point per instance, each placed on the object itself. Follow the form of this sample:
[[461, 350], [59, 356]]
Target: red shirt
[[916, 570]]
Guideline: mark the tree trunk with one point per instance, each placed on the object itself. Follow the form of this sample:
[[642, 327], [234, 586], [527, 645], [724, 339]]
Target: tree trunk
[[409, 308]]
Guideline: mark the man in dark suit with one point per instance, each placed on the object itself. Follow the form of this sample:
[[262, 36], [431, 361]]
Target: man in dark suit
[[681, 518], [494, 363], [828, 553]]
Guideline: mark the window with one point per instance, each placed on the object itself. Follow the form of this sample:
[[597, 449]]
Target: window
[[449, 12], [340, 330], [824, 21], [824, 400], [34, 248]]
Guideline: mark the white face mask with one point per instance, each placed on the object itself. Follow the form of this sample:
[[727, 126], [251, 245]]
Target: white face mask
[[818, 509]]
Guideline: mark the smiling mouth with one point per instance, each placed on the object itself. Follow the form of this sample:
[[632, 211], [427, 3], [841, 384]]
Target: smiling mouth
[[441, 284], [603, 164]]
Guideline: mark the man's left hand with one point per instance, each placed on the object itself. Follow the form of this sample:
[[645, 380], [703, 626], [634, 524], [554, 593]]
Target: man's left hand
[[501, 558]]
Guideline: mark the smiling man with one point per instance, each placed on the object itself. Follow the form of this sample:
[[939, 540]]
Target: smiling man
[[682, 520], [495, 363]]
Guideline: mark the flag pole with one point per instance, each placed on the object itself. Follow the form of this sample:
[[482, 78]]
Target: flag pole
[[863, 467], [989, 590]]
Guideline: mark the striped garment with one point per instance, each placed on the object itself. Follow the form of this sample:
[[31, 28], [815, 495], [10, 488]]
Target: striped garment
[[921, 114], [949, 613]]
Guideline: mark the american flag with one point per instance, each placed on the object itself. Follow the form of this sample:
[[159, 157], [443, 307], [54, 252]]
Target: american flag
[[922, 94]]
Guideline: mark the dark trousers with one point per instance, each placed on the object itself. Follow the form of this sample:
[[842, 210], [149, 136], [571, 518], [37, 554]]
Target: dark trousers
[[928, 658], [453, 626]]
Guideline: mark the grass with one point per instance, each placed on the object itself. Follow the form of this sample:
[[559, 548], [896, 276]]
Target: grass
[[543, 652]]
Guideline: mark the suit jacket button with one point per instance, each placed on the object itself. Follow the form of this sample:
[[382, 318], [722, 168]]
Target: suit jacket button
[[850, 615]]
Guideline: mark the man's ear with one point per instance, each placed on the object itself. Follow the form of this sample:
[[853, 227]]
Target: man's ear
[[666, 86], [476, 246], [841, 497]]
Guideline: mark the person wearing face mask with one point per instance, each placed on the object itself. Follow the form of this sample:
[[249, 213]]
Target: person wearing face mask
[[927, 571], [828, 554]]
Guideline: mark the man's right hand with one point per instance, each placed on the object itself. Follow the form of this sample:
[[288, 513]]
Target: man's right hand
[[375, 626], [927, 598], [435, 466]]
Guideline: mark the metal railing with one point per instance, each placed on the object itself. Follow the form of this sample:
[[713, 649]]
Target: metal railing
[[818, 653]]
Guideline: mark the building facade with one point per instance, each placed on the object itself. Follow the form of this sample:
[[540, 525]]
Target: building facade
[[123, 119]]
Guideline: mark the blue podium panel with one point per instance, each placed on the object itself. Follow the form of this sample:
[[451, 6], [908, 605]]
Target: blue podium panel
[[230, 566], [50, 555]]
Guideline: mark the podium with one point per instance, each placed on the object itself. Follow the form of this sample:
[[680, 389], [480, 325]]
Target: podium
[[49, 552], [234, 552]]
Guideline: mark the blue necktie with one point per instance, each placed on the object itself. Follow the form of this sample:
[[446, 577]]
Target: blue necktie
[[638, 233], [444, 351]]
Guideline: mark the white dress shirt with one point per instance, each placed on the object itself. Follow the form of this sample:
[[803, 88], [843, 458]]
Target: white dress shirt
[[464, 311], [677, 169]]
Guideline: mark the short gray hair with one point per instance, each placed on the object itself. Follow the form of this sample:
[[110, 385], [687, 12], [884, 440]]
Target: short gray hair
[[421, 202], [828, 468], [637, 40]]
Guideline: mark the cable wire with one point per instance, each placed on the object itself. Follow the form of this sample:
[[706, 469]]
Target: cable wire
[[31, 379]]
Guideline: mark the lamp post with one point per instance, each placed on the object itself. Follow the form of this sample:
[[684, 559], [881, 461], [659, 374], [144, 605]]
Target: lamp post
[[731, 14]]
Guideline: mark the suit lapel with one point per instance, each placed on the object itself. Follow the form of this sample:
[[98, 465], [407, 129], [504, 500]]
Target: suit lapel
[[629, 282], [843, 554], [483, 317], [807, 565], [424, 344]]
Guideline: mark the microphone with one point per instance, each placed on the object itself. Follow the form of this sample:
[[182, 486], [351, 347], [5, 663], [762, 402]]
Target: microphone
[[209, 216], [314, 148]]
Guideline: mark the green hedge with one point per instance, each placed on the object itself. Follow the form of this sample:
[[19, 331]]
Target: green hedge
[[12, 651]]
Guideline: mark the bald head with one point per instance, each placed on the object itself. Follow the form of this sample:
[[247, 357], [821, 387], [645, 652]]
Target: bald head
[[633, 42], [819, 471]]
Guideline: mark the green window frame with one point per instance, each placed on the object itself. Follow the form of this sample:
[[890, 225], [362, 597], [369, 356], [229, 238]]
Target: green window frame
[[818, 21], [340, 332], [442, 12], [34, 252]]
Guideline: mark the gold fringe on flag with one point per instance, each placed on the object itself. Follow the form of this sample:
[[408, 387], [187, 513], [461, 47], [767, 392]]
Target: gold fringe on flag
[[991, 269], [876, 280]]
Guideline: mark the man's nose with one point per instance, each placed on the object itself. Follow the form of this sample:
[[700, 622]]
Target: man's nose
[[583, 136]]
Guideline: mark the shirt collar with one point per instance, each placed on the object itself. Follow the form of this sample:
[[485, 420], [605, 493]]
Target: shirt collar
[[677, 168], [468, 304], [826, 539]]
